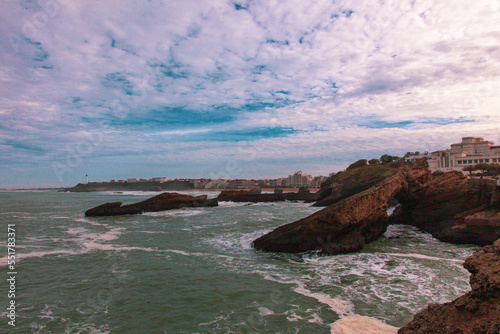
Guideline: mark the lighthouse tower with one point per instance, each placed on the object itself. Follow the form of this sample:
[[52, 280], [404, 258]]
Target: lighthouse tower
[[86, 178]]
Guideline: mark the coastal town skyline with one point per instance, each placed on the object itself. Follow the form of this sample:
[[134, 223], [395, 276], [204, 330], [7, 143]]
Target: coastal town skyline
[[238, 89]]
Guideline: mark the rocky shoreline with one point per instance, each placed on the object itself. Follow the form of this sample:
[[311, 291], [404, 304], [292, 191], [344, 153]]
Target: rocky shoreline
[[476, 312], [444, 204]]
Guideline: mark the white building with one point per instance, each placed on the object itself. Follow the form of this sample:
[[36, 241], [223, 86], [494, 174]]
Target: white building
[[470, 151], [298, 179]]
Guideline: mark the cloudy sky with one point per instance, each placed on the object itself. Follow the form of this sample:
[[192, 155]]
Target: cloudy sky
[[243, 88]]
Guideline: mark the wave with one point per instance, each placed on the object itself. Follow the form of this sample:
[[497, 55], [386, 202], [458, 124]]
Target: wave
[[349, 323], [235, 241], [342, 307], [102, 247], [423, 257], [20, 256], [177, 213]]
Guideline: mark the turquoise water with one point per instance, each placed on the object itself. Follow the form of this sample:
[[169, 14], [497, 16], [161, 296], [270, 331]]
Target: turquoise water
[[193, 271]]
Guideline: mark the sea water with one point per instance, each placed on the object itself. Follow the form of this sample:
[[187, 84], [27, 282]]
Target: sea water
[[193, 270]]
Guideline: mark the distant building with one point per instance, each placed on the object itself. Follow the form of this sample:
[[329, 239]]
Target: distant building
[[470, 151], [317, 181], [200, 183], [159, 179], [299, 179], [131, 180], [217, 184]]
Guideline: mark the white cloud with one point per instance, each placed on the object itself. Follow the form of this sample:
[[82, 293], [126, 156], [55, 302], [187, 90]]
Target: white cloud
[[348, 76]]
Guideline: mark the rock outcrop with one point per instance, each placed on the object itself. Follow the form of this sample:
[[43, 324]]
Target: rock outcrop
[[477, 312], [345, 184], [345, 226], [254, 197], [441, 202], [479, 226], [162, 202]]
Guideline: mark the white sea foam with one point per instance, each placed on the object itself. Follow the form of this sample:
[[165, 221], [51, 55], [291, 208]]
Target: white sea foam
[[181, 252], [424, 257], [76, 230], [235, 240], [264, 311], [356, 324], [176, 213], [86, 328], [46, 313], [20, 256], [130, 193], [342, 307], [95, 246], [112, 234], [231, 204], [152, 232]]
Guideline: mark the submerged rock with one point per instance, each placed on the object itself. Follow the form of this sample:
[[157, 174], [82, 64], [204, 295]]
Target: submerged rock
[[473, 313], [162, 202]]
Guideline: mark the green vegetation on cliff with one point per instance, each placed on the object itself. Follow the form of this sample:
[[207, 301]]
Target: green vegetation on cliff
[[352, 181]]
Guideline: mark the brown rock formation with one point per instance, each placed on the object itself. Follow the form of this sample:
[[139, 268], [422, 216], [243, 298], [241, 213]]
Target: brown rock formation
[[477, 312], [249, 196], [432, 202], [162, 202], [345, 184], [479, 226], [345, 226]]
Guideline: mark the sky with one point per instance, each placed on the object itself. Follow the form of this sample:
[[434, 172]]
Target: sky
[[238, 89]]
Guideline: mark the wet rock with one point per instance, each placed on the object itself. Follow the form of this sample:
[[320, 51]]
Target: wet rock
[[162, 202]]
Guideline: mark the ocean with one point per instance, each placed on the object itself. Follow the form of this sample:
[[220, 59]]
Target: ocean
[[193, 270]]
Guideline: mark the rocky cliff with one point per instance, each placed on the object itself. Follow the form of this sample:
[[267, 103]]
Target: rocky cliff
[[345, 226], [162, 202], [448, 206], [477, 312]]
